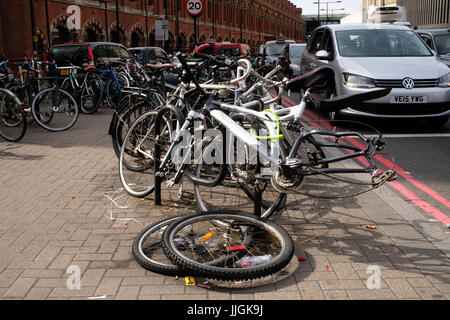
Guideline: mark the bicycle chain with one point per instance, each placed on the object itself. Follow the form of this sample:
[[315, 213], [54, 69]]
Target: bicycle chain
[[377, 181]]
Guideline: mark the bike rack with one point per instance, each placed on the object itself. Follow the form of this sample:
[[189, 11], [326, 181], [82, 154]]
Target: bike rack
[[257, 201], [158, 180]]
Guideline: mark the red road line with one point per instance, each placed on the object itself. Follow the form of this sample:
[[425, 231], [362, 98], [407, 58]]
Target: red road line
[[414, 198], [424, 205]]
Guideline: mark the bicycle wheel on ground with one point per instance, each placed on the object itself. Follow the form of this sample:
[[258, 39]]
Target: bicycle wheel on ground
[[12, 120], [91, 96], [21, 92], [130, 110], [57, 105], [227, 246], [309, 151], [238, 187], [148, 252], [136, 162], [114, 90]]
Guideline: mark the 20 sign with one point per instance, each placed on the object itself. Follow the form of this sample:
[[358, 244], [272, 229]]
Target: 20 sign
[[195, 7]]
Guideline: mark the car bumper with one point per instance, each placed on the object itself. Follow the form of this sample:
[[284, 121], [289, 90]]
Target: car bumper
[[438, 104]]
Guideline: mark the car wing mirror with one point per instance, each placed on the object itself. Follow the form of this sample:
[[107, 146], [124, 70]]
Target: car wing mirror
[[322, 55]]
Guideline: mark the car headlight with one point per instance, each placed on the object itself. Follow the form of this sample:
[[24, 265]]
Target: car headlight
[[356, 81], [444, 82]]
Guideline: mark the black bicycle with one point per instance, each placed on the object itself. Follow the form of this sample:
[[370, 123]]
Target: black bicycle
[[55, 109]]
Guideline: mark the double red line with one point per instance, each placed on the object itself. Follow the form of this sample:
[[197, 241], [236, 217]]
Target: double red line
[[312, 119]]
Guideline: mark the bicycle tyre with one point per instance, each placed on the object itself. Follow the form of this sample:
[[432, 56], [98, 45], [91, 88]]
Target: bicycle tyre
[[269, 206], [260, 227], [21, 92], [141, 252], [136, 167], [11, 117], [113, 94], [124, 118], [92, 92], [36, 109]]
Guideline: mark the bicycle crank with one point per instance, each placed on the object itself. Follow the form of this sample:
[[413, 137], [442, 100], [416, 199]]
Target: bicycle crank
[[379, 179]]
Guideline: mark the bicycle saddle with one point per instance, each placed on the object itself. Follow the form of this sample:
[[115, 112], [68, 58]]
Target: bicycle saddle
[[319, 79], [90, 68], [157, 67], [342, 102]]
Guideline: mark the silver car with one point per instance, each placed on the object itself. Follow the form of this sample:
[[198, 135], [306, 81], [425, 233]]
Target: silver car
[[367, 56]]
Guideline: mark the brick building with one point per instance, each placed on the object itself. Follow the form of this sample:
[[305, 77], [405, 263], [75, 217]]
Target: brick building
[[223, 20]]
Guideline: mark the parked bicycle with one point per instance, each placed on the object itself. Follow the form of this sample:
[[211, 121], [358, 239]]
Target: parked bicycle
[[12, 116], [55, 109], [228, 245]]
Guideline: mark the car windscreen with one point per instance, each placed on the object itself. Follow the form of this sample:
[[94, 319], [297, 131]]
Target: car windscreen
[[110, 51], [380, 43], [275, 49], [296, 52], [157, 53], [64, 55], [443, 44]]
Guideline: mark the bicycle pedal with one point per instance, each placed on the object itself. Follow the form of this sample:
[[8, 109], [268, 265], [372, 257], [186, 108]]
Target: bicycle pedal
[[379, 179], [393, 176]]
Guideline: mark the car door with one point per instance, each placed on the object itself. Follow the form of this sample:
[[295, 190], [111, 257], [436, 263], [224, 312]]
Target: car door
[[428, 40], [309, 61], [326, 45]]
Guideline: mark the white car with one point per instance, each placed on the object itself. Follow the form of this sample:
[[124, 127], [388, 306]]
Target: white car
[[370, 56]]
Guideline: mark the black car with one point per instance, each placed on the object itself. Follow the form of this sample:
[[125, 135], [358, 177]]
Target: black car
[[88, 52], [272, 52], [146, 55]]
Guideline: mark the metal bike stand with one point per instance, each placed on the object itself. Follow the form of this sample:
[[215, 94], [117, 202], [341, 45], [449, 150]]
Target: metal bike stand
[[157, 156], [257, 202]]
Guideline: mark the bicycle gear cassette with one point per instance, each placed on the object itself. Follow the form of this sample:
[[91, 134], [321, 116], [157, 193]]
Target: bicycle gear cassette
[[285, 184]]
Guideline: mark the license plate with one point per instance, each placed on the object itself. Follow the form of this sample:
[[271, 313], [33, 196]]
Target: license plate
[[409, 99], [65, 72]]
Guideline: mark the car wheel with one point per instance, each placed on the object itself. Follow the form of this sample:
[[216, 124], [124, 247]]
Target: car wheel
[[439, 121]]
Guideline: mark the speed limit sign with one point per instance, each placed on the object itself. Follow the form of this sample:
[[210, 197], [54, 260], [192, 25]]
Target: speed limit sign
[[195, 7]]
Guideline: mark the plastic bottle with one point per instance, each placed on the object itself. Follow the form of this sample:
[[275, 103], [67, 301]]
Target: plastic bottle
[[252, 261]]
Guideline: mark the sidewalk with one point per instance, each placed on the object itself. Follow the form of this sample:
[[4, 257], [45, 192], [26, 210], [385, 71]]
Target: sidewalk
[[53, 215]]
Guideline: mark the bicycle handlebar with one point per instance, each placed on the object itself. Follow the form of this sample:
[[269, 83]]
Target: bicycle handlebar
[[211, 58], [247, 66], [189, 74]]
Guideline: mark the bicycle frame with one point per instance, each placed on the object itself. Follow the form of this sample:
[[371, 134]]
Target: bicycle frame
[[270, 119], [110, 77]]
